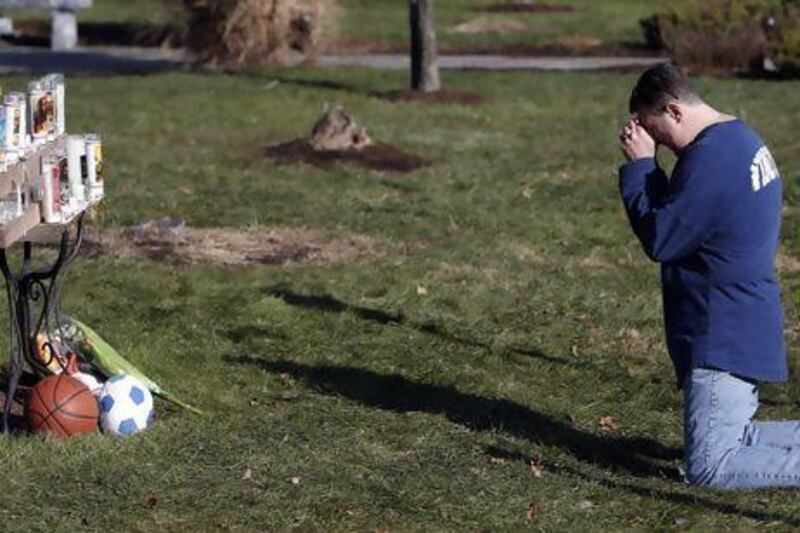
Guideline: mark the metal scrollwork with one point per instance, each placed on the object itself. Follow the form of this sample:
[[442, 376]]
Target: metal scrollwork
[[34, 303]]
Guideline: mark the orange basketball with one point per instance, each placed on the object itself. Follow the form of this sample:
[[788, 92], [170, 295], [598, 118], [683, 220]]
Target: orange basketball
[[63, 406]]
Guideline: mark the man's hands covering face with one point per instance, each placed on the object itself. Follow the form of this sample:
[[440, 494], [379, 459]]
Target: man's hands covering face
[[635, 142]]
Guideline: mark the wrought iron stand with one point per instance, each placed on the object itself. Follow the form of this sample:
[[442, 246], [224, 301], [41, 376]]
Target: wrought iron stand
[[34, 301]]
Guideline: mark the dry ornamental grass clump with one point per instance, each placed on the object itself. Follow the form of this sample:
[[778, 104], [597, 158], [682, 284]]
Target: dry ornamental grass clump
[[238, 33]]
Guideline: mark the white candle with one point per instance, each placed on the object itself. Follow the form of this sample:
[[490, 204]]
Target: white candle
[[76, 148]]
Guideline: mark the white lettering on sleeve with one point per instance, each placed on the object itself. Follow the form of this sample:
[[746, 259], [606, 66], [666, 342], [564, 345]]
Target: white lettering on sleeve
[[763, 169]]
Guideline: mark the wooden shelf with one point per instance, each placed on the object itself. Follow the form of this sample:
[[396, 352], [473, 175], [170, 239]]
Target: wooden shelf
[[17, 228], [27, 173], [47, 233]]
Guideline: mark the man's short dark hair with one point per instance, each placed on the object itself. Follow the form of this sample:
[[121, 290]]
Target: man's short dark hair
[[659, 85]]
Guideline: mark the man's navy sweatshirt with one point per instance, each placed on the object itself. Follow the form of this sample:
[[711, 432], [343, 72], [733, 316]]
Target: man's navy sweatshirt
[[714, 227]]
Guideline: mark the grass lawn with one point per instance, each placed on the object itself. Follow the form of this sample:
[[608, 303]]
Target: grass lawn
[[506, 311], [386, 21], [107, 11]]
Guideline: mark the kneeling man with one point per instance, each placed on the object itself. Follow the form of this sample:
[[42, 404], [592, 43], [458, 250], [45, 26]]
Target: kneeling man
[[714, 226]]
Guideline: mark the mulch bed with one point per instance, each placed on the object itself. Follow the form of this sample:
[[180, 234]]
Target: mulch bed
[[528, 7], [607, 49], [378, 156], [443, 96]]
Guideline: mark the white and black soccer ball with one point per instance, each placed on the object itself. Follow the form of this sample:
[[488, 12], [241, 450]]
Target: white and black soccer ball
[[126, 406]]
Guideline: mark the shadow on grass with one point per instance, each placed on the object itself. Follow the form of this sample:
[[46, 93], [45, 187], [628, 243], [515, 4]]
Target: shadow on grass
[[399, 394], [329, 304], [692, 497], [396, 393]]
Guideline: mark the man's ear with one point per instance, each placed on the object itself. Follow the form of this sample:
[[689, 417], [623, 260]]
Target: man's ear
[[675, 111]]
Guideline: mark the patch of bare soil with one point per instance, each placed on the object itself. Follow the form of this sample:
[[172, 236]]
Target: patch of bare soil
[[443, 96], [786, 263], [528, 7], [377, 156], [164, 241], [480, 25]]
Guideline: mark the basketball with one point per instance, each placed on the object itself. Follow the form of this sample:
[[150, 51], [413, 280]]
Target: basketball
[[62, 406]]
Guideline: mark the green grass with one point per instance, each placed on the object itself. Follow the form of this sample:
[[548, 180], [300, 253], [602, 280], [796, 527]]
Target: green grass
[[392, 409], [386, 21], [106, 11]]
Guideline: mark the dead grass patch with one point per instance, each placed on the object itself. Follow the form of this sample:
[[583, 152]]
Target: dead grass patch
[[636, 343], [443, 96], [527, 253], [227, 246], [378, 156], [528, 7], [476, 26], [595, 263], [786, 263]]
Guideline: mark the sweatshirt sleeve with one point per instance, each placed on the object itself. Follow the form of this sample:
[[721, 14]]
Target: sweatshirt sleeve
[[670, 217]]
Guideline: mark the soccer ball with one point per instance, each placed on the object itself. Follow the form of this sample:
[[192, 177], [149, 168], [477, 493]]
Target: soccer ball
[[126, 406]]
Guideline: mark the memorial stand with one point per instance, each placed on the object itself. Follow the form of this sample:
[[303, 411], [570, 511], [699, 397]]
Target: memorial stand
[[34, 294], [34, 301]]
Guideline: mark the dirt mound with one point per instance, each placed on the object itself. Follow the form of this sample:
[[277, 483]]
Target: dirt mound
[[176, 244], [527, 7], [443, 96], [377, 156], [337, 130]]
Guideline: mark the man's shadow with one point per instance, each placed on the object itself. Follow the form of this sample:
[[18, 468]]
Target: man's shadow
[[640, 457], [329, 304], [399, 394]]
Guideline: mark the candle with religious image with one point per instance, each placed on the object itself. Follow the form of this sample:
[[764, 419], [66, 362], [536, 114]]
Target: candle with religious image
[[76, 151], [14, 117], [94, 166], [18, 198], [40, 110], [51, 197], [57, 85]]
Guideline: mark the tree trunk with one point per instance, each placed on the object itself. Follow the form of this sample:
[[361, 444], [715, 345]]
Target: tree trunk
[[424, 64]]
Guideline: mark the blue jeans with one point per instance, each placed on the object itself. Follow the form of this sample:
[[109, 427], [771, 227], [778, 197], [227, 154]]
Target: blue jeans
[[725, 448]]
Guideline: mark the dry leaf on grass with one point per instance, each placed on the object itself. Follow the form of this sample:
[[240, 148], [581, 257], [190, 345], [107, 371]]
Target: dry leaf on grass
[[537, 468], [532, 509], [609, 423]]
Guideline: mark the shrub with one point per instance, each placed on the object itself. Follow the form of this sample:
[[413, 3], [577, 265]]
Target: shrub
[[713, 35], [784, 39], [238, 33]]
